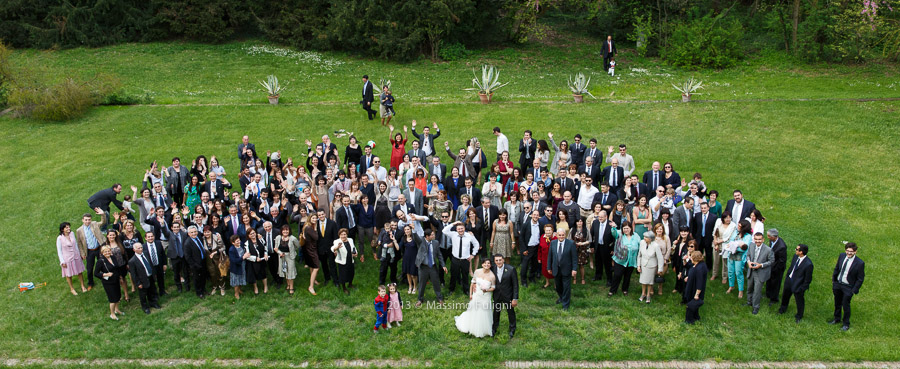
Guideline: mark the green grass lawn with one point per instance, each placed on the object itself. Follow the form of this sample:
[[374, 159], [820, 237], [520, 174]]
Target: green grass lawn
[[820, 172]]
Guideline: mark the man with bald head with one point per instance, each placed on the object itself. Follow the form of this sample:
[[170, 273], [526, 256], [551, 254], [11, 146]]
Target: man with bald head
[[654, 178], [614, 175], [246, 150]]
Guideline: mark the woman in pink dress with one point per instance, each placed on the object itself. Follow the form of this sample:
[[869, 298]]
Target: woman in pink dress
[[395, 306], [398, 147], [70, 259]]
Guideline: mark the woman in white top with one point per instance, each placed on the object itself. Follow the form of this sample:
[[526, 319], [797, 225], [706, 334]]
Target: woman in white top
[[724, 231], [344, 252], [478, 319], [214, 166], [562, 153], [261, 169], [393, 183], [650, 264], [493, 190], [756, 222], [543, 153]]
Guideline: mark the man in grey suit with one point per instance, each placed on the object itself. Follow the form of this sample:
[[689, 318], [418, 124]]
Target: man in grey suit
[[760, 260], [683, 215], [437, 169], [427, 258], [416, 152], [414, 196], [562, 262]]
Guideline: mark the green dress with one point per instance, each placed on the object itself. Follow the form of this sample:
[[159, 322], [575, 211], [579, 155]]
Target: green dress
[[192, 197], [639, 229]]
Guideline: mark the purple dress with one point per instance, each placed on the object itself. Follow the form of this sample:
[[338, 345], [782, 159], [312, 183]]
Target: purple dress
[[69, 255]]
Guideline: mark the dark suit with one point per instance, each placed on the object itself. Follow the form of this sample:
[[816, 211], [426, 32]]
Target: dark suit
[[577, 151], [417, 154], [696, 280], [745, 211], [610, 204], [493, 214], [243, 157], [527, 153], [797, 284], [505, 291], [429, 138], [474, 192], [146, 286], [429, 273], [365, 164], [595, 173], [342, 220], [773, 285], [195, 255], [705, 242], [529, 267], [603, 248], [219, 187], [648, 180], [158, 269], [179, 266], [442, 170], [682, 219], [323, 247], [609, 51], [843, 292], [561, 265], [367, 99], [102, 198], [596, 154], [618, 175], [566, 184]]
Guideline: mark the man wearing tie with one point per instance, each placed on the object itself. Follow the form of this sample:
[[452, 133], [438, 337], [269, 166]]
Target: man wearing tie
[[530, 236], [216, 187], [368, 98], [463, 247], [684, 214], [527, 147], [653, 178], [414, 197], [428, 258], [562, 262], [614, 176], [578, 150], [366, 160], [609, 52], [703, 226], [759, 262], [848, 276], [606, 198], [589, 169], [799, 276], [195, 253], [435, 168], [779, 249], [268, 236], [416, 152], [506, 294], [177, 240], [427, 139], [141, 275], [462, 161], [157, 255], [327, 229]]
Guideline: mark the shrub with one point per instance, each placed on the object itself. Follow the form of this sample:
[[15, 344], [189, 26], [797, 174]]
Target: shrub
[[712, 42], [5, 74], [62, 101], [453, 51]]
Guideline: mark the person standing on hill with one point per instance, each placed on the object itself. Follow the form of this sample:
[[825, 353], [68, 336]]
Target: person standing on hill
[[609, 52], [368, 98]]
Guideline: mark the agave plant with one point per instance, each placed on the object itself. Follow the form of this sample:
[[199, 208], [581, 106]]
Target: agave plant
[[688, 87], [579, 86], [385, 83], [489, 81], [272, 86]]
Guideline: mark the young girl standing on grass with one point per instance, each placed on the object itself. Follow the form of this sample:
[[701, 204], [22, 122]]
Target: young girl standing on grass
[[395, 306]]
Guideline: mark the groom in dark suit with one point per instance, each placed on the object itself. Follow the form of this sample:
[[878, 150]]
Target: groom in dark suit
[[368, 97], [506, 294], [561, 262]]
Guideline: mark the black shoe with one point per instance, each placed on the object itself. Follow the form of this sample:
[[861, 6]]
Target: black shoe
[[797, 320], [146, 311], [161, 294], [845, 328], [179, 289], [156, 306], [833, 321], [755, 311], [749, 304], [781, 311], [513, 333]]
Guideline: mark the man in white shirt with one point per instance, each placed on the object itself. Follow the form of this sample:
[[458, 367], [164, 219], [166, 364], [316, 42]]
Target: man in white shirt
[[502, 142], [463, 247], [625, 160], [656, 202], [848, 276], [530, 235], [376, 173], [586, 195]]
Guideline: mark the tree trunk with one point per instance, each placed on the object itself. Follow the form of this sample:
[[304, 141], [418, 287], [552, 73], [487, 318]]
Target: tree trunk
[[795, 22]]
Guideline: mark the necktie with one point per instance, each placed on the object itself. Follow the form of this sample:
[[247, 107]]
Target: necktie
[[564, 182], [152, 248], [703, 228], [615, 176], [499, 275], [794, 267], [604, 199], [589, 170], [350, 216], [655, 180], [592, 152], [430, 255], [234, 223], [486, 219], [323, 229], [212, 189], [269, 242], [842, 274], [459, 248], [178, 250], [147, 266], [559, 248], [159, 200], [197, 242]]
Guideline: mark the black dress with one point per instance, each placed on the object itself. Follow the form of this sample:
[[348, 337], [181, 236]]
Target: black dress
[[257, 269], [478, 231], [128, 243], [352, 155], [347, 271], [111, 285], [382, 212], [410, 249]]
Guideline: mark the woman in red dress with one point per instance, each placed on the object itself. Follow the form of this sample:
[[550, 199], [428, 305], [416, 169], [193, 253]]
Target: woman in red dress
[[398, 147], [544, 250], [506, 168]]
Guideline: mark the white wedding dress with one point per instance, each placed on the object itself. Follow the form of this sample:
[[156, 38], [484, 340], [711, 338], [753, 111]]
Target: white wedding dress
[[478, 318]]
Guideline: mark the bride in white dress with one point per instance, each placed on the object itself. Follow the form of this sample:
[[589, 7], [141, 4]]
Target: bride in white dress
[[479, 316]]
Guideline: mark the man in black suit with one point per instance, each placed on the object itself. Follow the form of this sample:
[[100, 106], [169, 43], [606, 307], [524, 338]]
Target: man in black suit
[[654, 178], [429, 260], [773, 285], [367, 99], [609, 51], [347, 217], [565, 183], [492, 213], [436, 168], [562, 262], [246, 150], [589, 168], [506, 294], [178, 240], [577, 150], [847, 278], [527, 146], [327, 229], [268, 234], [427, 139], [530, 236], [367, 189], [216, 187], [195, 255], [366, 160], [416, 152], [141, 273], [639, 189], [595, 153], [704, 224], [606, 198], [744, 207], [157, 255], [469, 189], [799, 276], [614, 176], [602, 242], [101, 200]]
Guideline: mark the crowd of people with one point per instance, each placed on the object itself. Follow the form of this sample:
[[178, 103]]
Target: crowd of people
[[561, 210]]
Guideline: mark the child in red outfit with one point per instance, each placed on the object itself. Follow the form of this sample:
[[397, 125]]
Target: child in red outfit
[[381, 306]]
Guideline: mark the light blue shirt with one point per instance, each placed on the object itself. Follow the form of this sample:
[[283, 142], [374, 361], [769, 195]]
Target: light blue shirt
[[92, 243]]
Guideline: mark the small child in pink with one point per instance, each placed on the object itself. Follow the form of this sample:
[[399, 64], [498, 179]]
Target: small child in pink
[[395, 306]]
